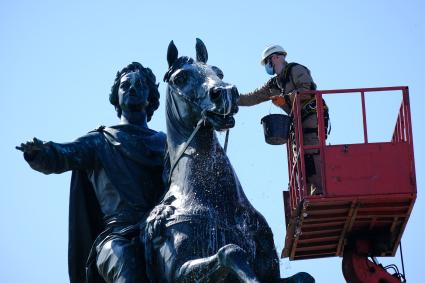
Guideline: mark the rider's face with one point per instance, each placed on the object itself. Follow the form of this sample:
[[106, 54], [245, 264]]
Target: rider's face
[[132, 92]]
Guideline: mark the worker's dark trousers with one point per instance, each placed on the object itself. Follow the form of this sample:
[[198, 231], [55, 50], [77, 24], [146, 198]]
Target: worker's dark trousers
[[120, 260], [314, 176]]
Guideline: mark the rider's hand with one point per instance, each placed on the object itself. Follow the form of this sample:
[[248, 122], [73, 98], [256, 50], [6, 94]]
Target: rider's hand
[[278, 100], [31, 148]]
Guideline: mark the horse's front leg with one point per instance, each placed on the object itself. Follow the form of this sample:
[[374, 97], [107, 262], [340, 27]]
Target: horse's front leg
[[229, 259], [186, 257]]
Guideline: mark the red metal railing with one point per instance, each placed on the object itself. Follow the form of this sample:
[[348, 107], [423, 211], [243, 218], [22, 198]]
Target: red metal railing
[[296, 163]]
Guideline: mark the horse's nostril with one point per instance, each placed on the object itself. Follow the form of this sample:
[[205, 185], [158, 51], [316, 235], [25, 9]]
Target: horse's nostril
[[215, 93]]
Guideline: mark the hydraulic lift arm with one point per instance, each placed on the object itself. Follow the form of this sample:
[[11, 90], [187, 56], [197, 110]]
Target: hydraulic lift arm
[[357, 268]]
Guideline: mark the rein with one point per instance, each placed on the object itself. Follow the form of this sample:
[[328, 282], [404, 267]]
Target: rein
[[226, 140], [186, 144]]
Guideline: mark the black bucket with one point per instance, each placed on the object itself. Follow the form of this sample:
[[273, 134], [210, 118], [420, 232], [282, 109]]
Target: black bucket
[[276, 128]]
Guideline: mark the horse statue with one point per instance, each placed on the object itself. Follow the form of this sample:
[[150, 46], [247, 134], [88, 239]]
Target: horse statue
[[204, 229]]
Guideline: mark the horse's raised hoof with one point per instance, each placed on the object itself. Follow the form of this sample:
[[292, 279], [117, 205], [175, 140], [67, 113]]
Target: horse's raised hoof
[[234, 258], [229, 254]]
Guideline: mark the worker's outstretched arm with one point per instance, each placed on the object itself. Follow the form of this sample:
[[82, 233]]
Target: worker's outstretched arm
[[260, 94]]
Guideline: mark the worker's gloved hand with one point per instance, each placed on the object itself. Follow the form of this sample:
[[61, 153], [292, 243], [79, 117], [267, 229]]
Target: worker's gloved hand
[[278, 100]]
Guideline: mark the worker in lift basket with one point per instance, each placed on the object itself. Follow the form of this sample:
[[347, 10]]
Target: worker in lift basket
[[289, 80]]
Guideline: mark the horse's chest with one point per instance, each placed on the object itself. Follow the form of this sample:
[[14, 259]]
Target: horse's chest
[[209, 166]]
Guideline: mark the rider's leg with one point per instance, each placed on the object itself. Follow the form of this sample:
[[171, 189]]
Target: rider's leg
[[120, 260]]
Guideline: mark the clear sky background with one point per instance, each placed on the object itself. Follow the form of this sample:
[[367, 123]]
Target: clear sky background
[[58, 60]]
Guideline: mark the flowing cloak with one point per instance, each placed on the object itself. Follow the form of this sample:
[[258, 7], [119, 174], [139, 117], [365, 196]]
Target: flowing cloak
[[85, 224], [85, 217]]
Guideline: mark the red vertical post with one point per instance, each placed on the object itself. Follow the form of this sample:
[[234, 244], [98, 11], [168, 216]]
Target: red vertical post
[[406, 115], [403, 124], [291, 189], [300, 145], [406, 103], [396, 135], [322, 138], [364, 118], [400, 124], [289, 158]]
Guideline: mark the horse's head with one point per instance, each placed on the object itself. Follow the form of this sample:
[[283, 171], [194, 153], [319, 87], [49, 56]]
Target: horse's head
[[196, 90]]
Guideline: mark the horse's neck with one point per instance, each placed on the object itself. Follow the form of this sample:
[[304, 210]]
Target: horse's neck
[[204, 142], [204, 173]]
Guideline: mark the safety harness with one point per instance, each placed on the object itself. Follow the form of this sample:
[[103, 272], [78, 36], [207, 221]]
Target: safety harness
[[310, 107]]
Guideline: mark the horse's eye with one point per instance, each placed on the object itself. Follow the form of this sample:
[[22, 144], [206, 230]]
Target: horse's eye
[[218, 71], [180, 78]]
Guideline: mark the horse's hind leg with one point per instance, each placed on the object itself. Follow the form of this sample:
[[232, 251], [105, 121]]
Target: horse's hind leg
[[266, 264], [229, 259]]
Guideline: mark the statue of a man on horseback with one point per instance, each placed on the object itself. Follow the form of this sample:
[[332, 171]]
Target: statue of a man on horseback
[[132, 225]]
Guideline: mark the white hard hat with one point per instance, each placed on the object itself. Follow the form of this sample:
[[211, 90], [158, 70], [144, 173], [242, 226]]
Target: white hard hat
[[270, 50]]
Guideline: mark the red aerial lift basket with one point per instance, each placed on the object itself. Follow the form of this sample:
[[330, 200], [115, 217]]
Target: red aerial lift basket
[[368, 188]]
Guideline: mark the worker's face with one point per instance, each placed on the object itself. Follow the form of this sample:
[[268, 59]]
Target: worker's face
[[277, 61]]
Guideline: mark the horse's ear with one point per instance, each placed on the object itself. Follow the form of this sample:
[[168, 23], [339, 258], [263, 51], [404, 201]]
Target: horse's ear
[[201, 51], [172, 53]]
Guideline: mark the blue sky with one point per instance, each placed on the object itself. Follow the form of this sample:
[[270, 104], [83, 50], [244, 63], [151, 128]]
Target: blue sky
[[59, 58]]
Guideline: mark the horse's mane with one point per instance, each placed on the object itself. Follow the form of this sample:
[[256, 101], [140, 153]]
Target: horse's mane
[[180, 62], [151, 82]]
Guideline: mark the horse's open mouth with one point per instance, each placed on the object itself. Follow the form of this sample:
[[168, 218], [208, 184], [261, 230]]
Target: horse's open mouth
[[220, 122]]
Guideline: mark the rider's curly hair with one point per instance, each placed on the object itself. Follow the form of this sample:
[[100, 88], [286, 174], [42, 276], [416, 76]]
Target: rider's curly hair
[[151, 83]]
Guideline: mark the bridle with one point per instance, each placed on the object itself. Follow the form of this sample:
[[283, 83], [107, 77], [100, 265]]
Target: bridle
[[186, 144]]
